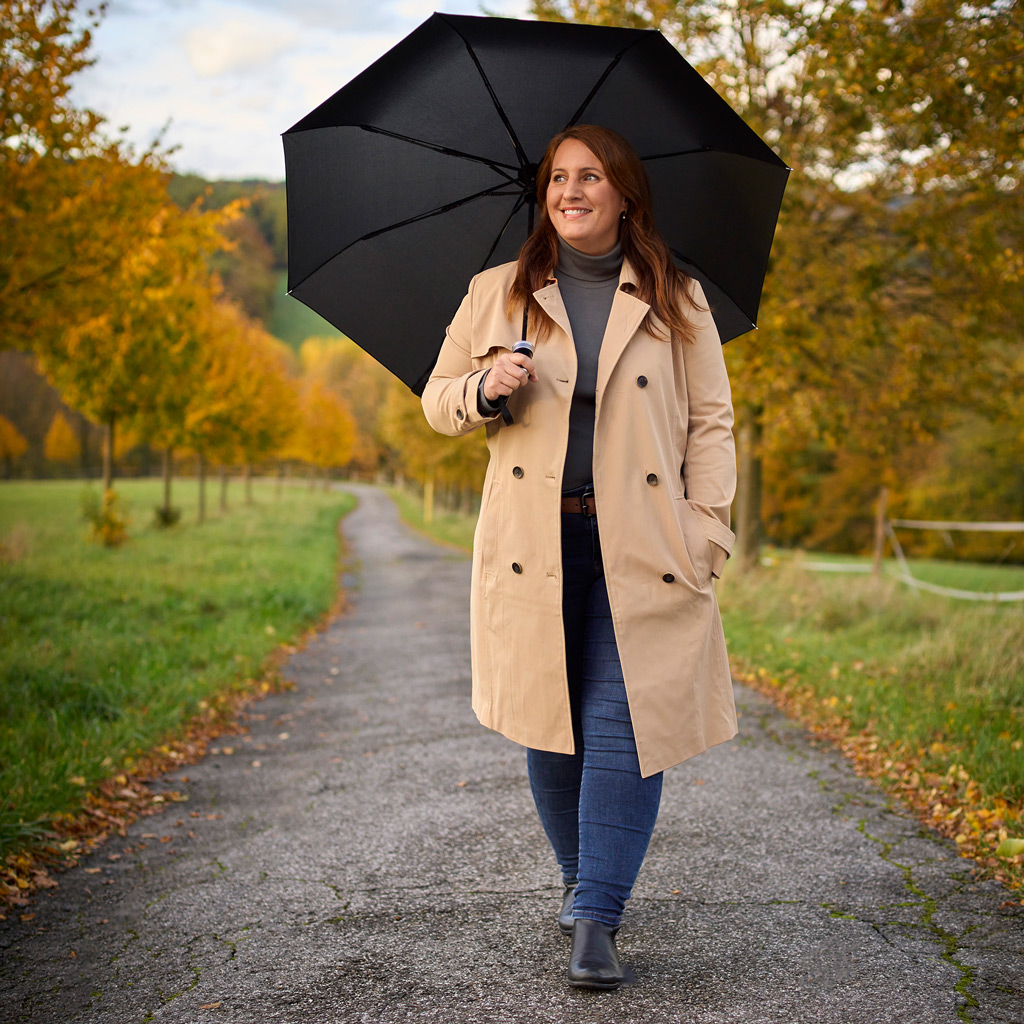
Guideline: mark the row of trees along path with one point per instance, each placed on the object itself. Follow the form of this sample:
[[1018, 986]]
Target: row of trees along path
[[107, 283]]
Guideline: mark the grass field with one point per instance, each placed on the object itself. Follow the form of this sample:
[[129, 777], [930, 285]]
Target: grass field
[[938, 678], [107, 651]]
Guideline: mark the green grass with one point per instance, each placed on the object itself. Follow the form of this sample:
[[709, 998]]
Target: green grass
[[452, 528], [941, 678], [924, 673], [107, 651]]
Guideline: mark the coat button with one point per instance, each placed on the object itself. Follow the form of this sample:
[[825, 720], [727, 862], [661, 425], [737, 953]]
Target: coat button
[[517, 472], [517, 568], [669, 578], [459, 414], [641, 381], [652, 479]]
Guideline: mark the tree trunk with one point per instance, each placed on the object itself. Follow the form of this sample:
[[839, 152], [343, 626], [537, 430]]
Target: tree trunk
[[201, 477], [311, 478], [168, 467], [223, 488], [247, 477], [279, 490], [83, 441], [748, 491], [108, 455]]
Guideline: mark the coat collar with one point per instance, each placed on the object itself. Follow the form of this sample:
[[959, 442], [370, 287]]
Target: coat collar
[[626, 315]]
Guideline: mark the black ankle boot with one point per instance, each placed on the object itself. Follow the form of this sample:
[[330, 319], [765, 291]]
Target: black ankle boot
[[565, 917], [594, 961]]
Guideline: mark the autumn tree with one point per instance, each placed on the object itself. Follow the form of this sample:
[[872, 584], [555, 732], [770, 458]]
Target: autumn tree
[[62, 443], [361, 383], [134, 360], [12, 444], [420, 453], [888, 297], [245, 406], [72, 202], [326, 432]]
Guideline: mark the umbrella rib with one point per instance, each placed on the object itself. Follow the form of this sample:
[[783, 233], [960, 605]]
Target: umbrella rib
[[597, 85], [520, 152], [769, 158], [492, 191], [498, 168], [437, 211], [520, 202]]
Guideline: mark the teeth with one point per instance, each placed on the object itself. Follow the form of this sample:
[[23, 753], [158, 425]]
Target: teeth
[[567, 213]]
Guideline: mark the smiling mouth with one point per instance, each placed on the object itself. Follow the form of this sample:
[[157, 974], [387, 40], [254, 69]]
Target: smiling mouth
[[574, 211]]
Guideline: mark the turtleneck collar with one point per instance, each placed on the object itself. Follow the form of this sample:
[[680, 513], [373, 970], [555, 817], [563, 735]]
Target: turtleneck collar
[[583, 267]]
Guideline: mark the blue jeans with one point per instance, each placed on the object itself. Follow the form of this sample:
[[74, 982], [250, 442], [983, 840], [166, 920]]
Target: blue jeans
[[596, 809]]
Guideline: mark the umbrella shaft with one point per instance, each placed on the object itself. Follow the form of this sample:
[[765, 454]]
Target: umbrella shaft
[[531, 205]]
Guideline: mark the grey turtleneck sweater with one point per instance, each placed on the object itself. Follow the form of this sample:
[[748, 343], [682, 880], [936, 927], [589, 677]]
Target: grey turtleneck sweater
[[587, 285]]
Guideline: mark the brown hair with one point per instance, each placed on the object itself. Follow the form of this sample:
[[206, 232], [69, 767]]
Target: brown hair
[[659, 282]]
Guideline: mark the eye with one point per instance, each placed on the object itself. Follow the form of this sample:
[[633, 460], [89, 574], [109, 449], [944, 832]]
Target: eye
[[590, 176]]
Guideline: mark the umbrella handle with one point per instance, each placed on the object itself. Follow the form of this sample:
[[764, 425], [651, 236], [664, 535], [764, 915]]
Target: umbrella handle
[[526, 348]]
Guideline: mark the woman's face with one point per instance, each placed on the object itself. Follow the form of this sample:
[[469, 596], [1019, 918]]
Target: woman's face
[[583, 204]]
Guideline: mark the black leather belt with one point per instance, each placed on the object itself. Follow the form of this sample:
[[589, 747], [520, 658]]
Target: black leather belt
[[583, 504]]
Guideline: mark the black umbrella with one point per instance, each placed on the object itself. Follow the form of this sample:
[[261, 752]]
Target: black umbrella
[[419, 173]]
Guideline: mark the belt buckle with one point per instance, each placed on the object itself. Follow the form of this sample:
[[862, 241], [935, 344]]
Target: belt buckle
[[587, 510]]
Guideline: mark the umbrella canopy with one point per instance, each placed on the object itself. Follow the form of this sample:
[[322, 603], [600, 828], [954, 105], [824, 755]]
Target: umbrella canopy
[[420, 173]]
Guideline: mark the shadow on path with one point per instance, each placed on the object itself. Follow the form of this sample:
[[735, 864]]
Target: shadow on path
[[370, 853]]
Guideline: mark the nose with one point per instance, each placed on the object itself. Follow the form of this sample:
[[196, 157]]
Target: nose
[[572, 189]]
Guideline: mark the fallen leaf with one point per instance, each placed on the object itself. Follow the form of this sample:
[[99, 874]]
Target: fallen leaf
[[1010, 848], [93, 871], [210, 1006]]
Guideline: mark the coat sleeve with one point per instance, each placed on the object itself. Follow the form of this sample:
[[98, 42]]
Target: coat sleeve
[[450, 396], [709, 463]]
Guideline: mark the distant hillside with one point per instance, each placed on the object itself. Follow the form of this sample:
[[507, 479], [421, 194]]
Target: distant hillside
[[250, 270], [293, 322]]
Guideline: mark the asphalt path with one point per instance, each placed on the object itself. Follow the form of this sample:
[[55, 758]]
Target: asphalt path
[[368, 852]]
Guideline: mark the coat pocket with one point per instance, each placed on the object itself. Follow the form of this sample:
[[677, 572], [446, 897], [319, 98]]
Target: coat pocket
[[695, 539]]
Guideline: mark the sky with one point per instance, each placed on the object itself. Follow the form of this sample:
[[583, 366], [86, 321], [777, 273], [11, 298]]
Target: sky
[[222, 79]]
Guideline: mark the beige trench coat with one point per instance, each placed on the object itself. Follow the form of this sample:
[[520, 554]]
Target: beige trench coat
[[664, 478]]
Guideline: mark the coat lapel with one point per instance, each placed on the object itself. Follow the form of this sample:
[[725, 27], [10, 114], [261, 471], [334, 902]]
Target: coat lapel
[[627, 313], [550, 299]]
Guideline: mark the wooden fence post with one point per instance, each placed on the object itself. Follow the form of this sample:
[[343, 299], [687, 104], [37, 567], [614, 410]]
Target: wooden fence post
[[880, 509]]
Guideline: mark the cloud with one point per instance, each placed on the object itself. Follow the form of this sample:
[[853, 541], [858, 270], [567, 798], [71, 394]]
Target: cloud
[[236, 45]]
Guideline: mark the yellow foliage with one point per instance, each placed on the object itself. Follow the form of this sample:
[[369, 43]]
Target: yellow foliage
[[61, 444], [107, 517], [246, 406], [326, 434], [12, 443]]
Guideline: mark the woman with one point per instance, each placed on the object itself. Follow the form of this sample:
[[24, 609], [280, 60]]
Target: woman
[[596, 638]]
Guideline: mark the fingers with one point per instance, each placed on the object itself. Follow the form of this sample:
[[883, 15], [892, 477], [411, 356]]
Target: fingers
[[508, 373]]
